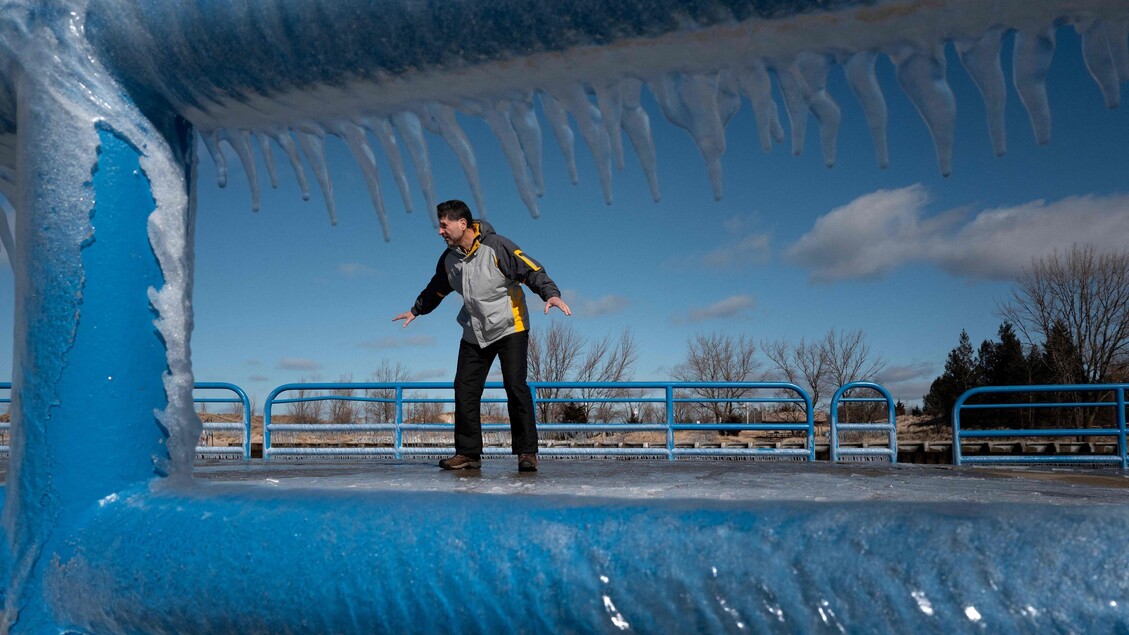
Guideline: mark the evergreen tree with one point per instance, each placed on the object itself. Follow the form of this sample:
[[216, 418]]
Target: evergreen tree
[[962, 372]]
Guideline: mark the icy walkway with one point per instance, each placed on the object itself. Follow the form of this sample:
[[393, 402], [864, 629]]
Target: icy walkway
[[699, 480]]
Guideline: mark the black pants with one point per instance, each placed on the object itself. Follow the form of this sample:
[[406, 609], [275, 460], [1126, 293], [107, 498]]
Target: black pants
[[470, 377]]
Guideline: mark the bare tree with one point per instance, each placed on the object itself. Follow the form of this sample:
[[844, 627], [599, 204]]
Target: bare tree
[[386, 373], [306, 409], [849, 359], [719, 358], [605, 361], [1084, 296], [342, 408], [553, 358], [804, 364]]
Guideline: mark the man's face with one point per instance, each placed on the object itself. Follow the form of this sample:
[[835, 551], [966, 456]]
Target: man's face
[[452, 230]]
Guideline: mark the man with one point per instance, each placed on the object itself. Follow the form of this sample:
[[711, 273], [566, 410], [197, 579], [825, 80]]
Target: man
[[487, 270]]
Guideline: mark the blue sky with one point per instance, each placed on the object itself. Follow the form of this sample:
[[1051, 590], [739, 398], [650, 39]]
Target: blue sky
[[792, 250]]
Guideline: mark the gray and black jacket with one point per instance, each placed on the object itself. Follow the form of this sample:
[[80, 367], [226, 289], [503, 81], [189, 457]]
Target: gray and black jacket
[[489, 278]]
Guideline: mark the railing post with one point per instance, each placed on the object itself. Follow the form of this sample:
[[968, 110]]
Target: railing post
[[266, 423], [399, 432], [670, 421], [956, 428], [810, 408], [1121, 428]]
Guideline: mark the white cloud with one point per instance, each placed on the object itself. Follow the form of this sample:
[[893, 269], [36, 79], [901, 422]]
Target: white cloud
[[750, 249], [298, 363], [258, 378], [731, 307], [594, 307], [398, 342], [357, 270], [741, 246], [428, 374], [909, 382], [881, 231]]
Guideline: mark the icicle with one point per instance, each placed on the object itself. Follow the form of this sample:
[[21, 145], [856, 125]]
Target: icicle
[[354, 137], [791, 86], [286, 142], [590, 122], [690, 101], [6, 241], [1118, 31], [981, 58], [813, 68], [447, 126], [268, 158], [921, 74], [610, 103], [381, 128], [1030, 63], [496, 117], [313, 146], [241, 143], [1100, 62], [757, 86], [211, 142], [860, 75], [524, 121], [411, 131], [558, 123], [638, 126]]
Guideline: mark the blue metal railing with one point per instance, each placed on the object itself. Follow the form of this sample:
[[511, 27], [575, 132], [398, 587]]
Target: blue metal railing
[[243, 427], [889, 427], [1118, 404], [6, 426], [672, 395]]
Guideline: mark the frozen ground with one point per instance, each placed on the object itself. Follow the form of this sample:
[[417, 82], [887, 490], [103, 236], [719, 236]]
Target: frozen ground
[[699, 480]]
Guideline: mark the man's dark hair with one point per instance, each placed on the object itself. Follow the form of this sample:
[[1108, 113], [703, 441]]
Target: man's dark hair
[[454, 210]]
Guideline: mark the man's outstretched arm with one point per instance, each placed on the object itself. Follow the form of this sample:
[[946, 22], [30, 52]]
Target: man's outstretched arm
[[437, 289], [518, 265]]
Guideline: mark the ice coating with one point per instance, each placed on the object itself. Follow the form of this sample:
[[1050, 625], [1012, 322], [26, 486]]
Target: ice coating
[[408, 74]]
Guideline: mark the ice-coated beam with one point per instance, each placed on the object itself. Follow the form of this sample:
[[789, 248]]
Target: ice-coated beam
[[245, 559], [304, 63], [89, 360]]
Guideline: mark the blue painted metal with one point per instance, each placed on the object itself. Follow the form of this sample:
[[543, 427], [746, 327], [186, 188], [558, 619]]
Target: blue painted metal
[[6, 400], [668, 389], [87, 374], [890, 427], [574, 564], [1119, 433], [243, 427]]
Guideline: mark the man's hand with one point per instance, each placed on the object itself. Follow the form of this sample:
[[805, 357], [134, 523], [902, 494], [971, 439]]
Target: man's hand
[[559, 303], [408, 316]]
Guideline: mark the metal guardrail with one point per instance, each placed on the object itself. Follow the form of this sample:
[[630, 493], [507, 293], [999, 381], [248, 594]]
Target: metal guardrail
[[672, 394], [6, 426], [889, 452], [243, 427], [1119, 432]]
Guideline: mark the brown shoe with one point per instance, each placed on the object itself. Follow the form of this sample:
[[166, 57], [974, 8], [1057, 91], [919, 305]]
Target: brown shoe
[[527, 463], [460, 462]]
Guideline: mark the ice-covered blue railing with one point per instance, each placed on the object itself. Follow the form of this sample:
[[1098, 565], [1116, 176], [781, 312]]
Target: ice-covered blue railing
[[243, 427], [1117, 403], [674, 395], [242, 402], [890, 427]]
